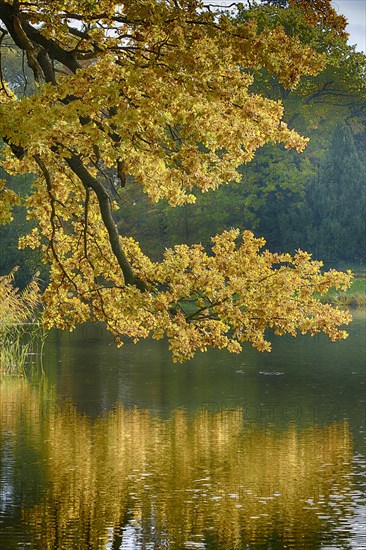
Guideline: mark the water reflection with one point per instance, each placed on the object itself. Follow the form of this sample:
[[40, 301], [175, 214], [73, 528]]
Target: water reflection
[[130, 479], [320, 381]]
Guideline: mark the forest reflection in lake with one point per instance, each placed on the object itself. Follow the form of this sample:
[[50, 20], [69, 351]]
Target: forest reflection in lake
[[225, 473]]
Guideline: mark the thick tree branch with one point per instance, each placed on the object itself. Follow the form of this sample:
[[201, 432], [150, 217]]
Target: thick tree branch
[[88, 180], [40, 51], [26, 37]]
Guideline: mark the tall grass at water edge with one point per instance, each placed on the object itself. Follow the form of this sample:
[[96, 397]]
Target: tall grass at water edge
[[19, 323]]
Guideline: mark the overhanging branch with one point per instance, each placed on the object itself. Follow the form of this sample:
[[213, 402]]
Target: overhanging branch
[[89, 181]]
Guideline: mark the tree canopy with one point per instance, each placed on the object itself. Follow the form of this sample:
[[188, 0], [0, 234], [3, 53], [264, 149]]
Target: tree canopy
[[161, 93]]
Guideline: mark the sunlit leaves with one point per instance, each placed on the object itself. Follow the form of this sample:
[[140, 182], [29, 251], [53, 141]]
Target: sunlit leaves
[[8, 199], [160, 92], [196, 299], [179, 69]]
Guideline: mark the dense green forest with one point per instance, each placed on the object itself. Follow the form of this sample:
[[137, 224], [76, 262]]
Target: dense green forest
[[314, 200]]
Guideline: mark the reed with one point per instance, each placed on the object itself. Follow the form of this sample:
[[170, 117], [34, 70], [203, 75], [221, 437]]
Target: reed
[[19, 323]]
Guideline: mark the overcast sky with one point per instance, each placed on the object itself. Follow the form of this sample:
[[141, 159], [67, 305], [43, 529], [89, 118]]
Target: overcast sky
[[355, 11]]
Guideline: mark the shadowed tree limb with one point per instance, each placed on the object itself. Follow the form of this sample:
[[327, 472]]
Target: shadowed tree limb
[[104, 201]]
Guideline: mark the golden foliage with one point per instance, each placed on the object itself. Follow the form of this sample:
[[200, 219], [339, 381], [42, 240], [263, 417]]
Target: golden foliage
[[8, 199], [160, 91], [196, 299], [320, 12]]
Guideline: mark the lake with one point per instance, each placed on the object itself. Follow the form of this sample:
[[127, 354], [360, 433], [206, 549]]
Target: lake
[[121, 449]]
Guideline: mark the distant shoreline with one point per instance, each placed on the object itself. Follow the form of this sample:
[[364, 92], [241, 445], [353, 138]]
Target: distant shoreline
[[355, 296]]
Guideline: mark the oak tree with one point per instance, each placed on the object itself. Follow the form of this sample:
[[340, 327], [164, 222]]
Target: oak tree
[[158, 91]]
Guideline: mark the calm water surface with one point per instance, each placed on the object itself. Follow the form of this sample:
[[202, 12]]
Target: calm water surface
[[121, 449]]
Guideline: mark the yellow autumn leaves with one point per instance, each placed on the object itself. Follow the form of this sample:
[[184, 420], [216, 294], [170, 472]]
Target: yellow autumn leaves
[[200, 300], [164, 90], [8, 199]]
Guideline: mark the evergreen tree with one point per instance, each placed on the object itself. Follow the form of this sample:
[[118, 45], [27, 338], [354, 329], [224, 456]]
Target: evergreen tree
[[332, 218]]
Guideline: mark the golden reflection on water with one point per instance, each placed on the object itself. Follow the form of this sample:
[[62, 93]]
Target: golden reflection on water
[[177, 482]]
